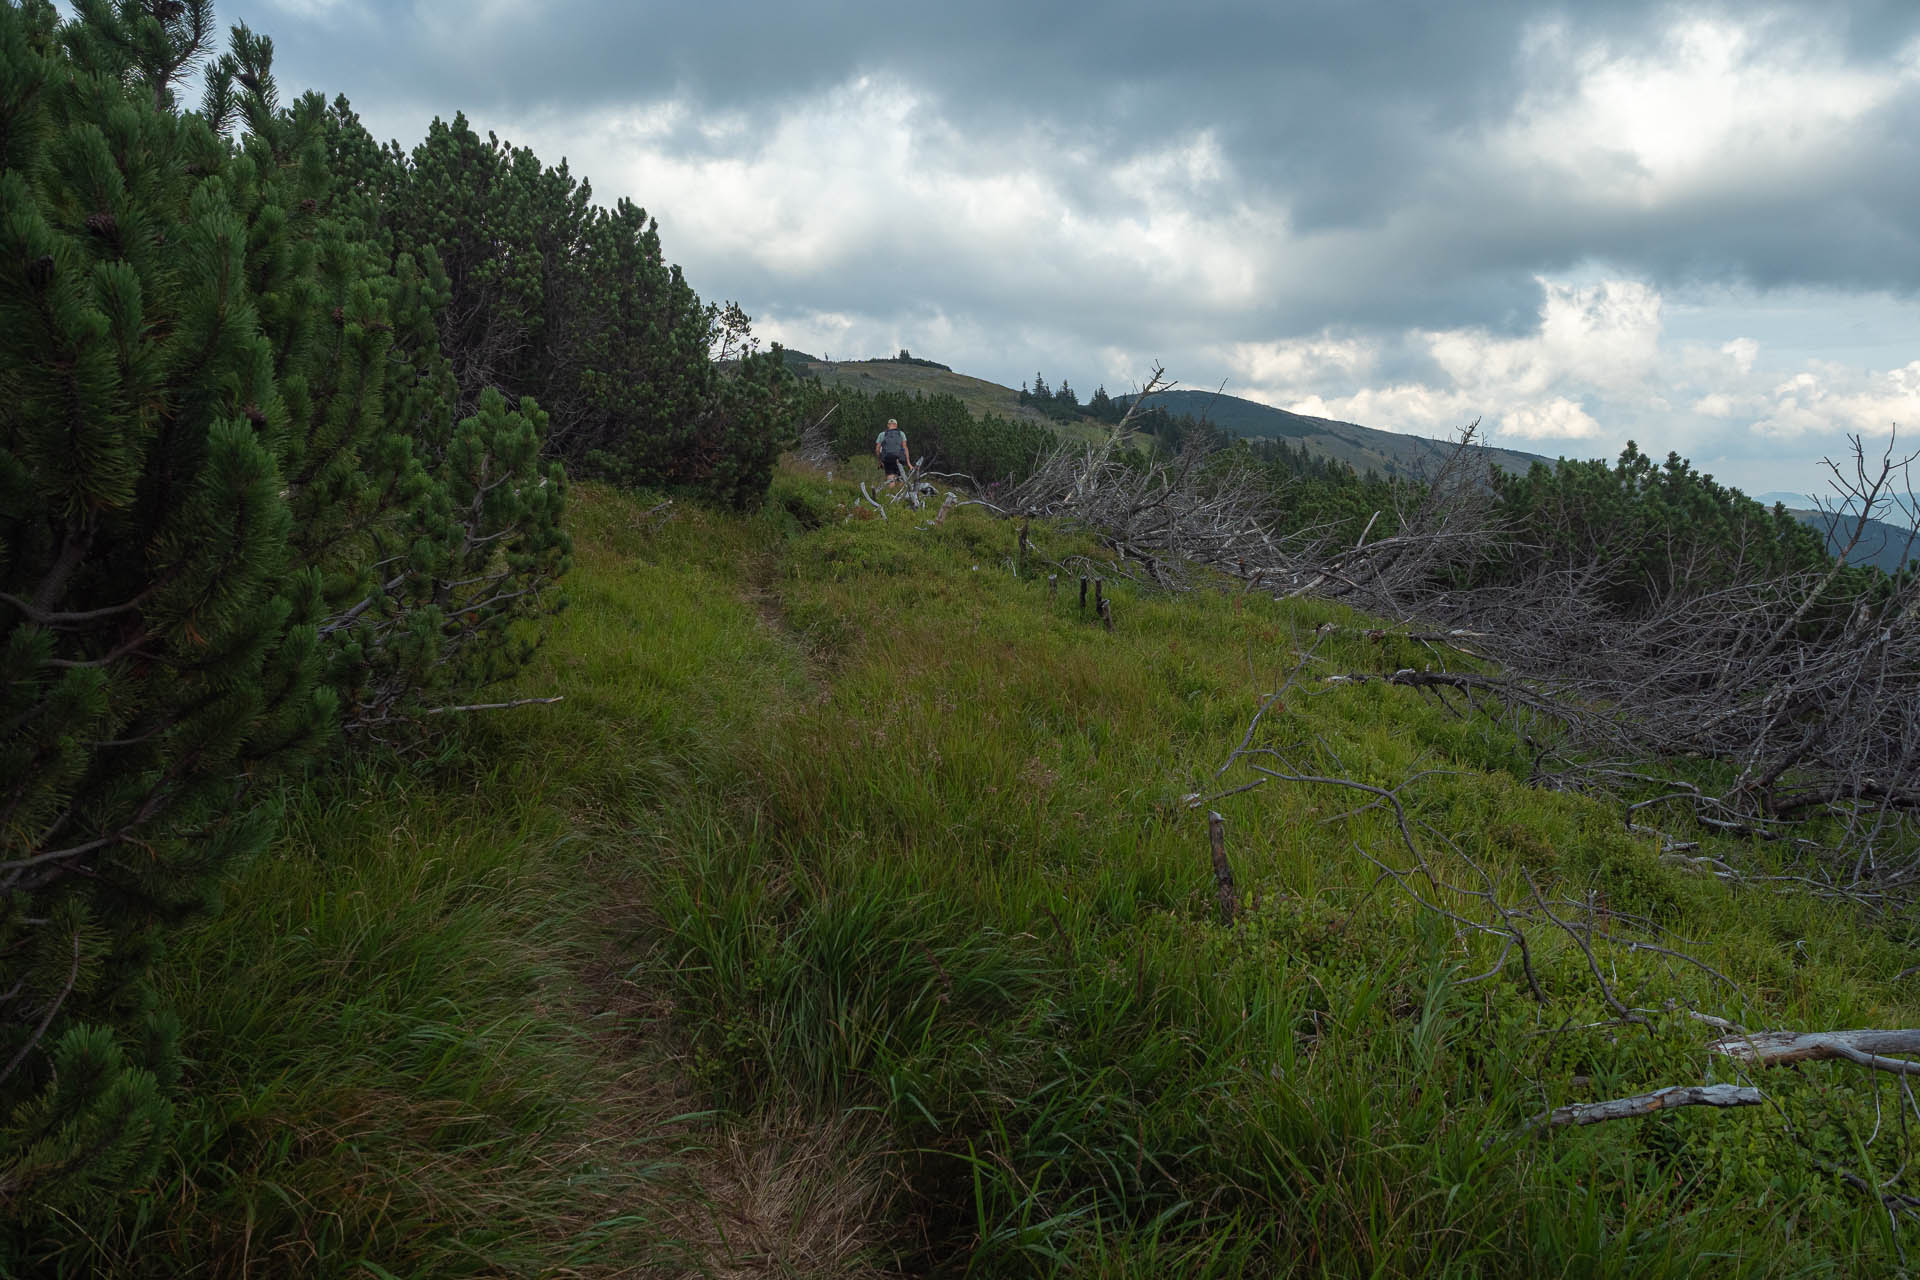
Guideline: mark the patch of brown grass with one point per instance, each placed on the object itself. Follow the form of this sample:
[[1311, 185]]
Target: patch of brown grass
[[785, 1196]]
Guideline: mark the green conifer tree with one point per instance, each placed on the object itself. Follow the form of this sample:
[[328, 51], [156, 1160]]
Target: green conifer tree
[[454, 539], [158, 641], [235, 494]]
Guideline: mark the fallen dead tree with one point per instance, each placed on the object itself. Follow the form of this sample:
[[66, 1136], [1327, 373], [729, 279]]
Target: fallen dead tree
[[1429, 866], [1805, 682], [815, 444], [1163, 516], [1644, 980], [1779, 708], [1806, 685]]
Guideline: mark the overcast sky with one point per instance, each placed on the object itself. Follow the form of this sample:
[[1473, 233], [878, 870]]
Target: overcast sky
[[1695, 226]]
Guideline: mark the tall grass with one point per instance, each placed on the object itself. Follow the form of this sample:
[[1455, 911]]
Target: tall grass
[[972, 903], [847, 917]]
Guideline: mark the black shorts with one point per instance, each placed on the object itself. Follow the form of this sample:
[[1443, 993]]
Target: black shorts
[[892, 464]]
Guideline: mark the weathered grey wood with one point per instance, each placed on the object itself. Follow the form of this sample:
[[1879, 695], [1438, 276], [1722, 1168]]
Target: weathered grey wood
[[1053, 588], [1645, 1104], [1106, 613], [1866, 1047]]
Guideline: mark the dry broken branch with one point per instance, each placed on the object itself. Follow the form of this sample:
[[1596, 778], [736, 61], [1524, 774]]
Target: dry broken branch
[[1646, 1104]]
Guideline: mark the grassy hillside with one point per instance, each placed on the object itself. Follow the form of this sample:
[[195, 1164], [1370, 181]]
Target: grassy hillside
[[980, 396], [1363, 448], [847, 919]]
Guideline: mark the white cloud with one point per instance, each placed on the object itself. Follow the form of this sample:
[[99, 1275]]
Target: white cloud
[[1598, 340], [1596, 368], [1720, 103], [1592, 339], [1415, 408], [1556, 419], [321, 9], [1301, 361], [1603, 335], [819, 333], [873, 172], [1829, 398]]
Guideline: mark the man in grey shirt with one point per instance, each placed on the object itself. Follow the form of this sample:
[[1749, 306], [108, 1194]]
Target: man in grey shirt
[[890, 446]]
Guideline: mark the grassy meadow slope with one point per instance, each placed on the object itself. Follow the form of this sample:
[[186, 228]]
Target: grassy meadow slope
[[980, 396], [1364, 448], [847, 919]]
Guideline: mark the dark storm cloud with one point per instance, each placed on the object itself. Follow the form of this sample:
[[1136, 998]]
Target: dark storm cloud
[[1316, 199], [1319, 93]]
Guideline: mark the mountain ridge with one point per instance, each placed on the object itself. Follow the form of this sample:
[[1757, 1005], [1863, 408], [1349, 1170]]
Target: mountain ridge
[[1391, 453]]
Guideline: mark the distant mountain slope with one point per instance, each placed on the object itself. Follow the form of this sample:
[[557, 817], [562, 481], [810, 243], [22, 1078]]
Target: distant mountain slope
[[1883, 544], [1363, 448]]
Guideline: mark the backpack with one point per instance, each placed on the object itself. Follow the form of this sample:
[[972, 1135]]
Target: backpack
[[893, 443]]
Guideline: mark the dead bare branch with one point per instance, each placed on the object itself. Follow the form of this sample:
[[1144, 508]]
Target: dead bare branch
[[1646, 1104]]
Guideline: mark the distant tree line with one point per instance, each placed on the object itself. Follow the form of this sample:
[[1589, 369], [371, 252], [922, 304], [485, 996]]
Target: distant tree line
[[283, 459], [1062, 403], [907, 357], [1648, 527]]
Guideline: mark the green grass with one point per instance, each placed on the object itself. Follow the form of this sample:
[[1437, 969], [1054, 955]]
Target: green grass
[[847, 917], [991, 923]]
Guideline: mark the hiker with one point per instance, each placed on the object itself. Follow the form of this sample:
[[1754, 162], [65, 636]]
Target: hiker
[[890, 446]]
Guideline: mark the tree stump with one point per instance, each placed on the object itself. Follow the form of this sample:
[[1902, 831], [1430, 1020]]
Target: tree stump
[[1222, 872]]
